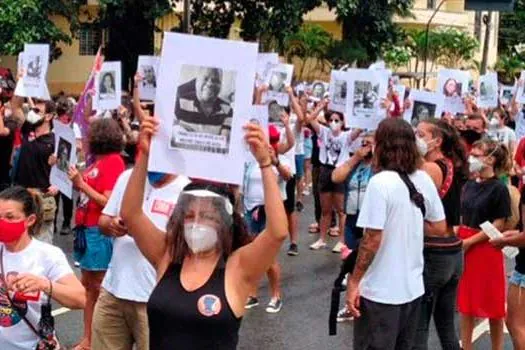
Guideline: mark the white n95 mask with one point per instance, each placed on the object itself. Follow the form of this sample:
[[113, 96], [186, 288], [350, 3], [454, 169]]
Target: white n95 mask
[[200, 238]]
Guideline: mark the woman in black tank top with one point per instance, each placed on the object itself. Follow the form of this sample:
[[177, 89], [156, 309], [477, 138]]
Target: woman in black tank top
[[205, 263], [446, 163]]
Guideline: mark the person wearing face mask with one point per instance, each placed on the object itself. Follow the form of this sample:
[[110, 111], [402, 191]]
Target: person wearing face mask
[[334, 149], [481, 292], [475, 127], [206, 268], [95, 186], [500, 132], [31, 272], [446, 163], [255, 216], [120, 318]]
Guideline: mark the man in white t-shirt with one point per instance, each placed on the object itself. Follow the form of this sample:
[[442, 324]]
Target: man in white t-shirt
[[386, 286], [120, 317]]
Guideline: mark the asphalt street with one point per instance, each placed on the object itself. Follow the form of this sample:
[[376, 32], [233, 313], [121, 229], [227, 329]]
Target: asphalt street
[[302, 323]]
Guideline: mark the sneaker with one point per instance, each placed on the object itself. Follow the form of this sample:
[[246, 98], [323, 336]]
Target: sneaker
[[274, 306], [345, 252], [318, 245], [251, 303], [66, 231], [338, 247], [293, 250], [345, 281], [77, 264], [299, 206], [344, 315]]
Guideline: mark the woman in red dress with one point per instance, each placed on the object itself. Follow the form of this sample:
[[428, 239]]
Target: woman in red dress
[[481, 292]]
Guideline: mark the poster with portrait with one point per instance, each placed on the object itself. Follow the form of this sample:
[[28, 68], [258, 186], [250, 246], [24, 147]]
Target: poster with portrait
[[66, 154], [265, 62], [424, 105], [338, 91], [258, 115], [279, 77], [453, 84], [488, 91], [108, 87], [34, 62], [204, 98], [365, 90], [319, 90], [148, 68], [506, 94]]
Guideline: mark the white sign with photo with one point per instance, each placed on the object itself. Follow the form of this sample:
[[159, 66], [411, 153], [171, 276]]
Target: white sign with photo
[[338, 91], [108, 87], [34, 62], [365, 90], [148, 68], [203, 104], [279, 77], [520, 94], [506, 94], [258, 115], [453, 84], [66, 153], [265, 62], [424, 105], [400, 90], [488, 91], [318, 89]]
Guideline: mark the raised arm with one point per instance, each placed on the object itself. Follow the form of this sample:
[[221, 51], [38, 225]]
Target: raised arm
[[312, 118], [340, 174], [254, 259], [150, 240], [139, 112], [296, 107], [290, 137]]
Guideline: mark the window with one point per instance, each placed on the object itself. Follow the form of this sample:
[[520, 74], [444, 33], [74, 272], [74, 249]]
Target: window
[[431, 4], [90, 39]]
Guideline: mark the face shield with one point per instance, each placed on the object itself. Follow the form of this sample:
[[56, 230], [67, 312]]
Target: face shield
[[206, 221]]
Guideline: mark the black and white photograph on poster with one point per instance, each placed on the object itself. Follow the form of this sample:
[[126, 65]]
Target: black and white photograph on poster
[[488, 91], [506, 94], [66, 156], [204, 109], [275, 112], [259, 116], [338, 91], [318, 90], [453, 84], [63, 154], [203, 104], [265, 62], [279, 77], [424, 105], [148, 67], [108, 87], [34, 61], [366, 88]]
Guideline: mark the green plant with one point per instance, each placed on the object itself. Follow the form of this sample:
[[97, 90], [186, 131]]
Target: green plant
[[398, 56], [509, 67], [346, 53]]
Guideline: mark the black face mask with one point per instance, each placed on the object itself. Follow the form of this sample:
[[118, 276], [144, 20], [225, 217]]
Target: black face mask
[[369, 155], [470, 136]]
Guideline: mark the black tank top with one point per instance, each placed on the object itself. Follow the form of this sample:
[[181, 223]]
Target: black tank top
[[198, 320]]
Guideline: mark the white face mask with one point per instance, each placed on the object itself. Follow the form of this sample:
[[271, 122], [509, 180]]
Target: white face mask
[[33, 117], [475, 165], [422, 146], [494, 123], [200, 238], [335, 126]]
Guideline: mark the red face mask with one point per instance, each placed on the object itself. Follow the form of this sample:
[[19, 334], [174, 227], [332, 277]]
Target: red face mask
[[11, 231]]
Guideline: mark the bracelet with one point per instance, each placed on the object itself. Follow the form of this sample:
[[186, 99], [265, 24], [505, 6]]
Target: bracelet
[[265, 166]]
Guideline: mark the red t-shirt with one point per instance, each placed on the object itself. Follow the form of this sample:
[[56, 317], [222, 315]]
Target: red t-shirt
[[101, 176], [520, 153], [17, 141]]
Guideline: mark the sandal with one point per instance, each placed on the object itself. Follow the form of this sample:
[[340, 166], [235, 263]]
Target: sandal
[[313, 228], [333, 232]]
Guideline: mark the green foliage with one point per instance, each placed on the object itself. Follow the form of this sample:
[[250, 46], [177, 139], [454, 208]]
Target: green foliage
[[511, 25], [346, 53], [368, 24], [397, 56], [509, 67], [28, 21]]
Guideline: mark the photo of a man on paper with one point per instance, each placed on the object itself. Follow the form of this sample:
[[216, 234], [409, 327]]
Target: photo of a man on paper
[[203, 109], [150, 80], [277, 82], [63, 155], [422, 111], [34, 67], [365, 95]]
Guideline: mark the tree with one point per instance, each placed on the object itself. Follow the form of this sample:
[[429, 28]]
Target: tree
[[310, 44], [369, 23], [344, 53], [510, 28], [398, 56], [29, 21], [457, 47], [509, 67]]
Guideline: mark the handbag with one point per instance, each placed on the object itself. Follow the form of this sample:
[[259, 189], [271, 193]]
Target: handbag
[[46, 325], [80, 241]]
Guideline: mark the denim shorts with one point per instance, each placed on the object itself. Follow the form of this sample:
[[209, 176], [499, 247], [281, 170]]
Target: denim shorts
[[99, 249], [299, 165], [308, 148], [517, 279], [255, 226]]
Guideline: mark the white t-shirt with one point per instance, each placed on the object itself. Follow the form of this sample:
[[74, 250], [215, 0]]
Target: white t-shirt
[[504, 135], [76, 130], [396, 274], [130, 276], [253, 190], [39, 259], [333, 150], [299, 135], [290, 155]]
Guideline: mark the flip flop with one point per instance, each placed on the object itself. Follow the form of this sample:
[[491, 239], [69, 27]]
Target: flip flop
[[333, 232]]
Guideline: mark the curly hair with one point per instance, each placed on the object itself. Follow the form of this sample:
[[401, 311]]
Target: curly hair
[[105, 137], [396, 148]]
